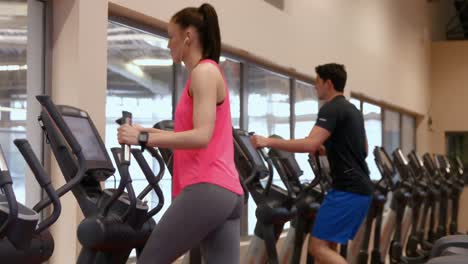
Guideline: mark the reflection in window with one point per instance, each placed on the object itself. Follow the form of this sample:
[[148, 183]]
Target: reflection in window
[[373, 125], [306, 110], [13, 68], [139, 79], [408, 133], [391, 130], [268, 113]]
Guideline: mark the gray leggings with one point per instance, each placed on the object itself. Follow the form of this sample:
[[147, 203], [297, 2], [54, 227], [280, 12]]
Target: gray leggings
[[203, 214]]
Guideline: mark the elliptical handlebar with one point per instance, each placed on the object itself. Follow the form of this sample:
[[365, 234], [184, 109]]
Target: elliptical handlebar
[[314, 161], [124, 183], [461, 167], [386, 170], [126, 119], [320, 171], [62, 190], [47, 103], [122, 160], [287, 184], [52, 111], [287, 168], [265, 157], [6, 185], [403, 167], [421, 175], [157, 178], [270, 170], [33, 162], [150, 177]]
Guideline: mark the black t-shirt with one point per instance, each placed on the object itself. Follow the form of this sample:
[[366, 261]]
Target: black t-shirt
[[346, 146]]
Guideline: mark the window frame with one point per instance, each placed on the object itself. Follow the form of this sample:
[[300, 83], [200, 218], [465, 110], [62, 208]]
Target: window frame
[[38, 30], [384, 107]]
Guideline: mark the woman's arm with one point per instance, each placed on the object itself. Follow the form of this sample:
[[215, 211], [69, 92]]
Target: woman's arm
[[204, 92], [153, 130]]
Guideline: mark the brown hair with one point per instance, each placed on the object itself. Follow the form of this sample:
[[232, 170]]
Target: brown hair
[[205, 20]]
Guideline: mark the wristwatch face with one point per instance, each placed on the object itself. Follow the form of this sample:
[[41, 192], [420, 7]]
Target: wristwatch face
[[143, 137]]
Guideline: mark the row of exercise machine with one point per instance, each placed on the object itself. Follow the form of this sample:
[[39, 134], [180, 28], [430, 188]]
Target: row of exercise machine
[[412, 218]]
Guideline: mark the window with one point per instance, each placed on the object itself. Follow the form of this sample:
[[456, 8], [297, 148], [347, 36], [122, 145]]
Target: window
[[268, 102], [457, 145], [356, 103], [408, 133], [268, 114], [306, 111], [373, 126], [139, 79], [232, 72], [182, 77], [398, 130], [391, 128], [16, 60]]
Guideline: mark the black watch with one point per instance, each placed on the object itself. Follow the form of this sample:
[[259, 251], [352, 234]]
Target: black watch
[[143, 138]]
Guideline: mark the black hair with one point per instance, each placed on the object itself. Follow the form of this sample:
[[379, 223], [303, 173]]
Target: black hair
[[334, 72]]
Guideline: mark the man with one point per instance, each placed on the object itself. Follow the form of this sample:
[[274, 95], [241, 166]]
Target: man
[[340, 127]]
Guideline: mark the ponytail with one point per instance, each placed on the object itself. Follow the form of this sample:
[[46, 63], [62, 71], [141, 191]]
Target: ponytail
[[211, 32]]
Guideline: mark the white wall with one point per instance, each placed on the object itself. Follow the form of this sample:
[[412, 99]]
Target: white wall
[[442, 12], [385, 44], [79, 78], [449, 83]]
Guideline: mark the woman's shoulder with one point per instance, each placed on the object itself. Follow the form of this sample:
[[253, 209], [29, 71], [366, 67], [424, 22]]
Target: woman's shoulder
[[206, 69]]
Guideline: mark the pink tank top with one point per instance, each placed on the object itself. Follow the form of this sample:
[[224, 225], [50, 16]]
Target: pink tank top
[[213, 164]]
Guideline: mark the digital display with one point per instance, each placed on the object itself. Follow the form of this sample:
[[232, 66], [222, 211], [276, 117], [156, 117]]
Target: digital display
[[84, 134]]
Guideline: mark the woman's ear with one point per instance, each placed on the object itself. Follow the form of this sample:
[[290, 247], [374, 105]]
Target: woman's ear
[[188, 37]]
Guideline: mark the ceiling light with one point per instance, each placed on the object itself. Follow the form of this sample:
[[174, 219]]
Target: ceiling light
[[10, 109], [134, 69], [13, 67]]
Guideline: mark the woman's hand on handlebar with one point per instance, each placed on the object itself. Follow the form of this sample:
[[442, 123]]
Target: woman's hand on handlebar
[[127, 134]]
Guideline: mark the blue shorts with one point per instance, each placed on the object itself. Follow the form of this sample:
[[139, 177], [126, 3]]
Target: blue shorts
[[340, 216]]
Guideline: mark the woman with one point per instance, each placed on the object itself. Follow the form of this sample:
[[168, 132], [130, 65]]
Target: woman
[[208, 196]]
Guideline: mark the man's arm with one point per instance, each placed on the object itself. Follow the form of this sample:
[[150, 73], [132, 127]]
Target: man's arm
[[310, 144]]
